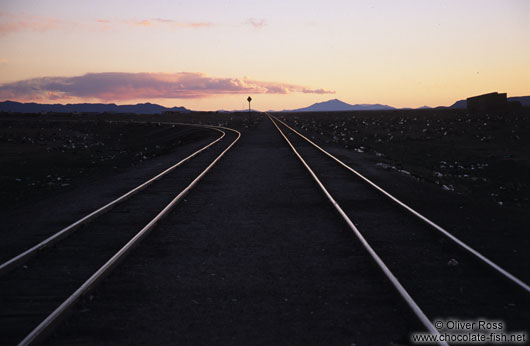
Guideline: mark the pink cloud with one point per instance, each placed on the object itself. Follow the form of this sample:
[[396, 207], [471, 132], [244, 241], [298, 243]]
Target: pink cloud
[[256, 23], [184, 24], [119, 86], [104, 23], [142, 23], [10, 23], [315, 91], [169, 22]]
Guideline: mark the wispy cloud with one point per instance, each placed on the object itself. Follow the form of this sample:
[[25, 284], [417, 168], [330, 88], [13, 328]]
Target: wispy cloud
[[104, 23], [10, 23], [141, 23], [168, 23], [180, 24], [3, 62], [256, 23], [120, 86]]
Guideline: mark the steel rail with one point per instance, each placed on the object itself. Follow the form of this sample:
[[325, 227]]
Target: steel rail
[[395, 282], [63, 233], [55, 317], [440, 229]]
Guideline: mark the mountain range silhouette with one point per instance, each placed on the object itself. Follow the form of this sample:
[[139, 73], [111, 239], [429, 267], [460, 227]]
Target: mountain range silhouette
[[140, 108], [338, 105], [150, 108]]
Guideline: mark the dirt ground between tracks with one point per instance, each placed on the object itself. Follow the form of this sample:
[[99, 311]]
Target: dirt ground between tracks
[[480, 163]]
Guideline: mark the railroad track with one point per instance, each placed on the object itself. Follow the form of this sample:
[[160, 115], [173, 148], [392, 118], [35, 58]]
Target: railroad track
[[39, 286], [362, 204]]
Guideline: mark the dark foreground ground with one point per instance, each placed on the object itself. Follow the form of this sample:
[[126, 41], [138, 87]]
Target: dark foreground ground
[[485, 156], [256, 256], [47, 154]]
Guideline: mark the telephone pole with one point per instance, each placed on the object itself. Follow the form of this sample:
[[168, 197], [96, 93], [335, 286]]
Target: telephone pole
[[249, 99]]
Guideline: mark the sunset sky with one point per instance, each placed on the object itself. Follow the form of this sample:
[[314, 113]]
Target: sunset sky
[[209, 55]]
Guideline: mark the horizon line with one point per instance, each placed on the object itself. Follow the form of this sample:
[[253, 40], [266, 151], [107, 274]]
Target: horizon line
[[233, 110]]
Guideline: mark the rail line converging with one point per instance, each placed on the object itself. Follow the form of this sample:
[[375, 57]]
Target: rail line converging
[[395, 282], [380, 263], [209, 155], [524, 286], [21, 258], [219, 147]]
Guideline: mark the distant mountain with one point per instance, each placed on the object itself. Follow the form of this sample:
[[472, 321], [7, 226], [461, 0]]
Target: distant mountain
[[337, 105], [141, 108], [525, 102]]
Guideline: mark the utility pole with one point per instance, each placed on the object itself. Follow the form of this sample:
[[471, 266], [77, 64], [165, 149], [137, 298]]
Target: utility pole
[[249, 99]]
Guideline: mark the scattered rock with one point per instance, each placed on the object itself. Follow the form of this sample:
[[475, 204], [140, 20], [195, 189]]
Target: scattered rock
[[452, 262]]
